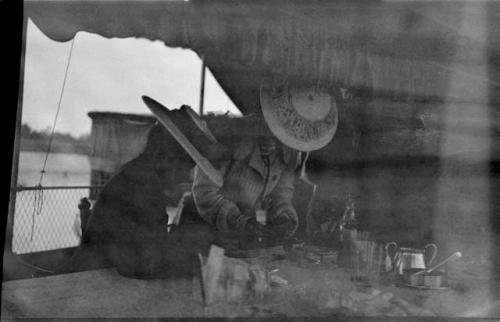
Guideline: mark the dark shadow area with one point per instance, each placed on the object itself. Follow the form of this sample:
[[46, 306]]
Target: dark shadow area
[[493, 64]]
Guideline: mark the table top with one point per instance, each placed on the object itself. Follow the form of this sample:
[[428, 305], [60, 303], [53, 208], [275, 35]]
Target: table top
[[106, 294], [100, 293]]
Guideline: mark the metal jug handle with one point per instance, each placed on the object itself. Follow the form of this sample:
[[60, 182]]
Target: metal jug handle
[[387, 246], [434, 252]]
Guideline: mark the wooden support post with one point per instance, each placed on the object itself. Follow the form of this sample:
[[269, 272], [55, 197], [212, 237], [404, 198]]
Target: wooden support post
[[17, 144], [202, 86]]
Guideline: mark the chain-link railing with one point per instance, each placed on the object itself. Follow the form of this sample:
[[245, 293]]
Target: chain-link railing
[[47, 218]]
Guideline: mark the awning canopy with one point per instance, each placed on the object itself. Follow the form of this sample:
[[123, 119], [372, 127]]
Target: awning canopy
[[395, 48]]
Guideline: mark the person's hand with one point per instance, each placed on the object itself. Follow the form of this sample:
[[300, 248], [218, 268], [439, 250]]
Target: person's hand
[[253, 227], [284, 225]]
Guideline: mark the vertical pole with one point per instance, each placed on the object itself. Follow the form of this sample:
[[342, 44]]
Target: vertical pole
[[17, 143], [202, 86]]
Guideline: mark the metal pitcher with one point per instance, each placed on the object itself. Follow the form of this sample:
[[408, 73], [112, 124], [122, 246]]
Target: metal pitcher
[[403, 258]]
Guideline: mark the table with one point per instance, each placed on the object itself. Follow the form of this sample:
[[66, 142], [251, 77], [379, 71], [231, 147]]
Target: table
[[100, 293], [106, 294]]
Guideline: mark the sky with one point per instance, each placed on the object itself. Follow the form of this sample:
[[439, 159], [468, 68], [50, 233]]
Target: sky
[[109, 75]]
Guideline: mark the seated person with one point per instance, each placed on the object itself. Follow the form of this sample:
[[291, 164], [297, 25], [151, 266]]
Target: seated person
[[128, 225], [259, 177]]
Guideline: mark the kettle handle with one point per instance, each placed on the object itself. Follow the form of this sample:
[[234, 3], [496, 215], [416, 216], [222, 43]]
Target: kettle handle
[[387, 246], [434, 252]]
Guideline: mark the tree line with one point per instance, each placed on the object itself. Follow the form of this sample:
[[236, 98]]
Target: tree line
[[38, 141]]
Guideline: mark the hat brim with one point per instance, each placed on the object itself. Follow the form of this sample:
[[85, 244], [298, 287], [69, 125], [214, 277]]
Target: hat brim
[[162, 114], [288, 126]]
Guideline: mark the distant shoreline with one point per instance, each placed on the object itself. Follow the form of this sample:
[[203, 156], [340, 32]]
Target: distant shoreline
[[28, 145], [38, 141]]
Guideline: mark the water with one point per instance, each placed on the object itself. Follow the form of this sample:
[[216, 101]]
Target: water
[[62, 169], [49, 219]]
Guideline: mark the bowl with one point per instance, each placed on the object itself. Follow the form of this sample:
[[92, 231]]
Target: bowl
[[410, 278], [433, 279]]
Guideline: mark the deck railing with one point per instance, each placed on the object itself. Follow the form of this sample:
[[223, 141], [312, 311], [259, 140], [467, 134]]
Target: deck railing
[[47, 218]]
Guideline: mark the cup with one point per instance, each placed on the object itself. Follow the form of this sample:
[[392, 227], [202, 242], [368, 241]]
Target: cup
[[365, 257]]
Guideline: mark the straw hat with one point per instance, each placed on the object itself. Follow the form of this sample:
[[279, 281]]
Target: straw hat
[[302, 117]]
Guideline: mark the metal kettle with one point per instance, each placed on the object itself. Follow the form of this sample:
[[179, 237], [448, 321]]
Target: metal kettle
[[403, 258]]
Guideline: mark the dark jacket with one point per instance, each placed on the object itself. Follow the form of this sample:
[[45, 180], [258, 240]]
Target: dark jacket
[[128, 224]]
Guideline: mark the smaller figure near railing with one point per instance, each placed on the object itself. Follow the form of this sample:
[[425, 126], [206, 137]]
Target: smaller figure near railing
[[85, 212]]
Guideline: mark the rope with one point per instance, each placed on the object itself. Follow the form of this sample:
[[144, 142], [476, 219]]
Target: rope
[[57, 113], [37, 209], [38, 201]]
